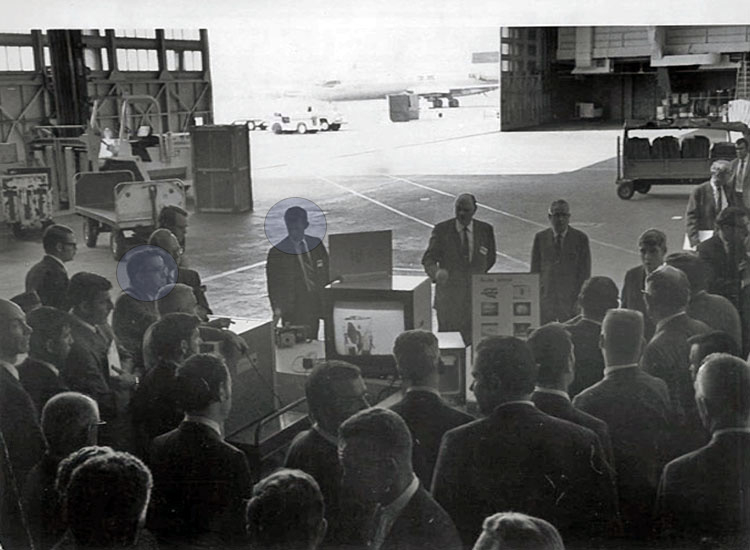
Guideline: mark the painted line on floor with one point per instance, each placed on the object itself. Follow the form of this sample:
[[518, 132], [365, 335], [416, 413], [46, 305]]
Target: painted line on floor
[[405, 215], [233, 271], [504, 213]]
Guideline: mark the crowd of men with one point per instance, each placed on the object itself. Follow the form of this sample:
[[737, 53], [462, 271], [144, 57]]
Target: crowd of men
[[622, 421]]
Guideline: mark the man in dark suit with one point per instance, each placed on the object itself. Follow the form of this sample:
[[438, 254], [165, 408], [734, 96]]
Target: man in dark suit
[[554, 354], [426, 414], [302, 525], [707, 200], [706, 493], [714, 310], [724, 254], [49, 346], [703, 345], [667, 355], [174, 219], [598, 295], [22, 442], [652, 245], [637, 410], [199, 479], [92, 364], [458, 248], [49, 278], [740, 173], [335, 391], [155, 403], [519, 458], [375, 451], [296, 272], [70, 421], [562, 258]]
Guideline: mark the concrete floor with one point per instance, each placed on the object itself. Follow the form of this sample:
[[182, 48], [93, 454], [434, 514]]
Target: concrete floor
[[377, 175]]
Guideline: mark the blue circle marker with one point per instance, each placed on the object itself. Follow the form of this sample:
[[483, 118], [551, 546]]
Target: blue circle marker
[[293, 217], [147, 273]]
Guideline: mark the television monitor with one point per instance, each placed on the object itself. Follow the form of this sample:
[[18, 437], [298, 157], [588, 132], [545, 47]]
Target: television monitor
[[363, 320]]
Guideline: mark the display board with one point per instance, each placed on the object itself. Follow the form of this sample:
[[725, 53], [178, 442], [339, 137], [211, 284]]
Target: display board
[[504, 304]]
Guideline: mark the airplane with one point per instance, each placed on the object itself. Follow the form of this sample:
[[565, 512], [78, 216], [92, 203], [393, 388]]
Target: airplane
[[429, 87]]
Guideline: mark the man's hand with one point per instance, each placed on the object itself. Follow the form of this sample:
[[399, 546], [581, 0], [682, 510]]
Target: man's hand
[[124, 379], [222, 322], [441, 276]]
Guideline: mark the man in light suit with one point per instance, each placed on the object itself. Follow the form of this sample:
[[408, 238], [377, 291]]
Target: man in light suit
[[459, 248], [296, 272], [706, 493], [49, 278], [741, 173], [562, 257], [707, 200]]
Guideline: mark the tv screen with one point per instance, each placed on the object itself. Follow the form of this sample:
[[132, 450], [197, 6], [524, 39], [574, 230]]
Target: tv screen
[[365, 328]]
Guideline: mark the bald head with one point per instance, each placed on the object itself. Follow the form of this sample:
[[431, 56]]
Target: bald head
[[180, 300], [165, 239], [466, 206], [69, 422], [14, 332], [722, 392]]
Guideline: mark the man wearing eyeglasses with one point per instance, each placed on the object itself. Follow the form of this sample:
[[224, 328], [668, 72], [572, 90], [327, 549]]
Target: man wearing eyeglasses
[[49, 278], [562, 257], [707, 200]]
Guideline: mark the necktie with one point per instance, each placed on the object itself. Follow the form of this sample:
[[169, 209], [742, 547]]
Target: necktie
[[719, 199], [558, 246], [742, 174], [465, 253], [308, 270]]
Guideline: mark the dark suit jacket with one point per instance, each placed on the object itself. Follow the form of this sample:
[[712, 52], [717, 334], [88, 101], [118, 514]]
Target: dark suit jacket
[[428, 418], [560, 279], [40, 382], [199, 484], [130, 319], [453, 298], [286, 283], [589, 365], [422, 525], [42, 505], [637, 409], [559, 407], [725, 275], [86, 368], [701, 211], [631, 297], [706, 493], [667, 357], [50, 281], [20, 427], [524, 460], [154, 405]]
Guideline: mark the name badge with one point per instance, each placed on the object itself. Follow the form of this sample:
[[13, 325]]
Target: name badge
[[319, 263], [483, 250]]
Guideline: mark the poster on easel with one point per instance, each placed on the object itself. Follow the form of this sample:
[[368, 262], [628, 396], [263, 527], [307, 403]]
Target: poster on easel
[[503, 304]]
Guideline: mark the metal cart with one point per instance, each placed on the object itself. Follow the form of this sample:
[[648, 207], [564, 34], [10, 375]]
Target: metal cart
[[658, 157], [128, 210], [27, 200]]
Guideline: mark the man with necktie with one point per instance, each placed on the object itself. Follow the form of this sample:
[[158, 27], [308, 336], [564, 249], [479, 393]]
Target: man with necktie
[[458, 248], [708, 199], [562, 257], [296, 272], [740, 174]]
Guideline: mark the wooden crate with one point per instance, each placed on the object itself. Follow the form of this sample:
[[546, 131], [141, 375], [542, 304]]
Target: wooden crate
[[221, 168]]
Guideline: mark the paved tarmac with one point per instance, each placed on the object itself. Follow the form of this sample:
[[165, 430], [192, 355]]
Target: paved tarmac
[[376, 175]]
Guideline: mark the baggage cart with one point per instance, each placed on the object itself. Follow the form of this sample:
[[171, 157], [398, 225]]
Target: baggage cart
[[651, 153], [112, 202]]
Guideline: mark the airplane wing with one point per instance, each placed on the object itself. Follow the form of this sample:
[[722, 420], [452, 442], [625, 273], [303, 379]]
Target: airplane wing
[[456, 92]]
